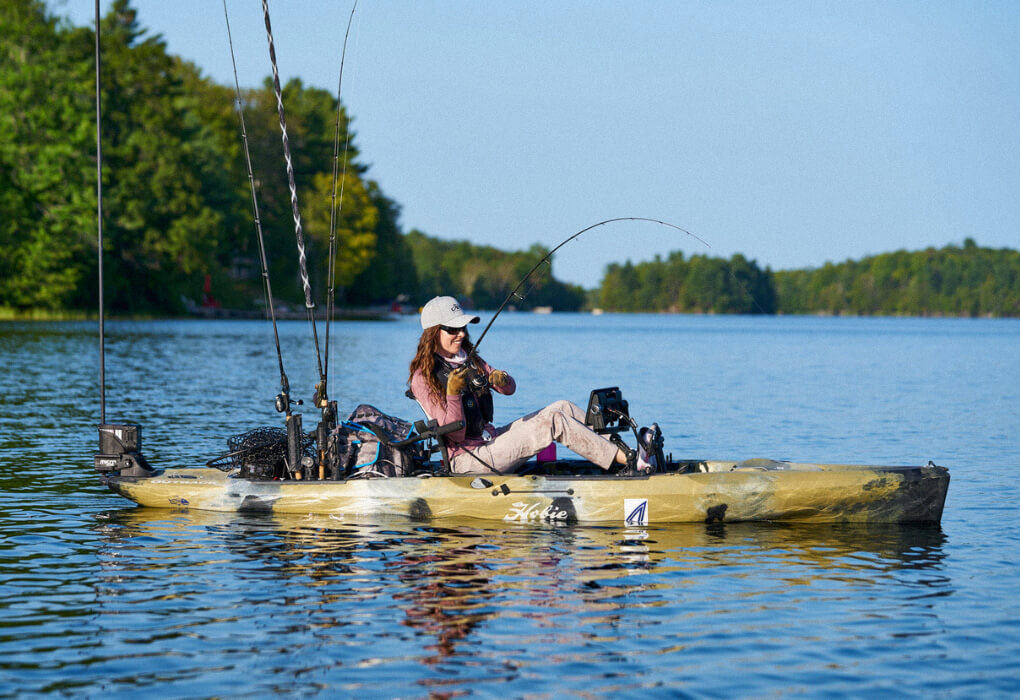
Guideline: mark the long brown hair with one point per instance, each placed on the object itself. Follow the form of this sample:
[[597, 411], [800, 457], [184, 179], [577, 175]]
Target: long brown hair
[[425, 359]]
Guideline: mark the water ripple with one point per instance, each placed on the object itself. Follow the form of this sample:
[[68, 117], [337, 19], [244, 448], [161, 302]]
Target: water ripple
[[101, 598]]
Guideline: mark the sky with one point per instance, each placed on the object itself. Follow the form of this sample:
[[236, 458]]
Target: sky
[[794, 133]]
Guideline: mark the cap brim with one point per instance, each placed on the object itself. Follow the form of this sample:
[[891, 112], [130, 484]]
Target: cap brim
[[462, 321]]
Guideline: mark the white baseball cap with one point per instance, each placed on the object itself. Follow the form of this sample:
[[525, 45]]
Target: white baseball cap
[[445, 311]]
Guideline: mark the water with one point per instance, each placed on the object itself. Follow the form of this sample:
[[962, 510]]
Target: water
[[101, 598]]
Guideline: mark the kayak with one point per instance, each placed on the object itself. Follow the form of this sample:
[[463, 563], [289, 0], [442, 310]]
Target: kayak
[[574, 491]]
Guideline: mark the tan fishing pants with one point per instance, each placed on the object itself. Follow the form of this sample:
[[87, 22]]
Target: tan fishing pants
[[514, 444]]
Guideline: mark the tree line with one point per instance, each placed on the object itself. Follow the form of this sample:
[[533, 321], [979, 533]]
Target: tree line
[[178, 220], [965, 280], [699, 284]]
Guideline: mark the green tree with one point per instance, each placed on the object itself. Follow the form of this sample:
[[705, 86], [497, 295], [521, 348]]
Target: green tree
[[391, 272], [164, 192], [367, 223], [47, 177], [700, 284], [356, 222]]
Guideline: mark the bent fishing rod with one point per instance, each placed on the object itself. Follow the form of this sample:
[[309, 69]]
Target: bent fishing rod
[[548, 256]]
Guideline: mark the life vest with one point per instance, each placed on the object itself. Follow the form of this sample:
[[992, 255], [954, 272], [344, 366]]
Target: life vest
[[477, 403]]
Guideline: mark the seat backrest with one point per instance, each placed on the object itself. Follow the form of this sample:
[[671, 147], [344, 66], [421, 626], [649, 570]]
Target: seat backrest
[[445, 468], [410, 394]]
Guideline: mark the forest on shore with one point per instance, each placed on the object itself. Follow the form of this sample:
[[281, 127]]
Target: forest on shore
[[179, 228], [965, 280]]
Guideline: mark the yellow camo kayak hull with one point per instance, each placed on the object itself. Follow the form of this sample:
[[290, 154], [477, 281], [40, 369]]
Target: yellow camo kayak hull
[[721, 492]]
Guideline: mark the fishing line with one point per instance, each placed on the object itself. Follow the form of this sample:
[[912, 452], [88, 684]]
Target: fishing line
[[548, 256]]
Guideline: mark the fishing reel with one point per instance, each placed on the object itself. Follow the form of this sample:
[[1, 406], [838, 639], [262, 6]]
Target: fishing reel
[[475, 379], [284, 402]]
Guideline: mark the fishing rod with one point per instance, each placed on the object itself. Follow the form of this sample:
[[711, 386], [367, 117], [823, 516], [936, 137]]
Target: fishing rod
[[266, 287], [548, 256], [298, 231], [335, 209], [296, 462]]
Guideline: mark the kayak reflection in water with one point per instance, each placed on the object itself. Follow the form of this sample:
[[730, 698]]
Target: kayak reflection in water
[[451, 385]]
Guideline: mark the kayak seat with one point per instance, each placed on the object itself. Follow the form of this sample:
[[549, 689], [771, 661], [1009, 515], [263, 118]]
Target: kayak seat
[[436, 442]]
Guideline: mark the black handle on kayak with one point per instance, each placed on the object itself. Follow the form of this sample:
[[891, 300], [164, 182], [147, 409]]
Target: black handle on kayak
[[427, 430]]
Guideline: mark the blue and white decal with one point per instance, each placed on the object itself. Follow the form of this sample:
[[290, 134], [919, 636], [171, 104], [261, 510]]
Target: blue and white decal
[[635, 511]]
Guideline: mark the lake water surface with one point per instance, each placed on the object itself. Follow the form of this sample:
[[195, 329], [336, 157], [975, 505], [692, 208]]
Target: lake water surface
[[101, 598]]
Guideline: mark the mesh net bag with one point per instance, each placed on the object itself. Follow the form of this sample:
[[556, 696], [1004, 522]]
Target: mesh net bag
[[260, 453]]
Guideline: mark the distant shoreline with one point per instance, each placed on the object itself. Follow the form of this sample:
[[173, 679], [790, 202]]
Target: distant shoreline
[[371, 315]]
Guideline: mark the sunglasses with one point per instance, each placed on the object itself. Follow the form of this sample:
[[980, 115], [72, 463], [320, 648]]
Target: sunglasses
[[453, 331]]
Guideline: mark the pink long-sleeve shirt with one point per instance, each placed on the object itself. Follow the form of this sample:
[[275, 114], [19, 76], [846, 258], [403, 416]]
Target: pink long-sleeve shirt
[[447, 409]]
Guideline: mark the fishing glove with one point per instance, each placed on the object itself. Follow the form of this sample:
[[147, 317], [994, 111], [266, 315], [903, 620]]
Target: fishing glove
[[456, 382], [498, 378]]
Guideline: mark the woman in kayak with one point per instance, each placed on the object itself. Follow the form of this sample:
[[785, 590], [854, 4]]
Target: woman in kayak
[[451, 387]]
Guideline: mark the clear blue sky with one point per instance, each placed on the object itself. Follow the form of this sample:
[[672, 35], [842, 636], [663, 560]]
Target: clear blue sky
[[793, 132]]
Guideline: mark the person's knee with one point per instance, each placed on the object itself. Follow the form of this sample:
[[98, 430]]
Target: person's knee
[[568, 409], [556, 414], [562, 406], [561, 414]]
